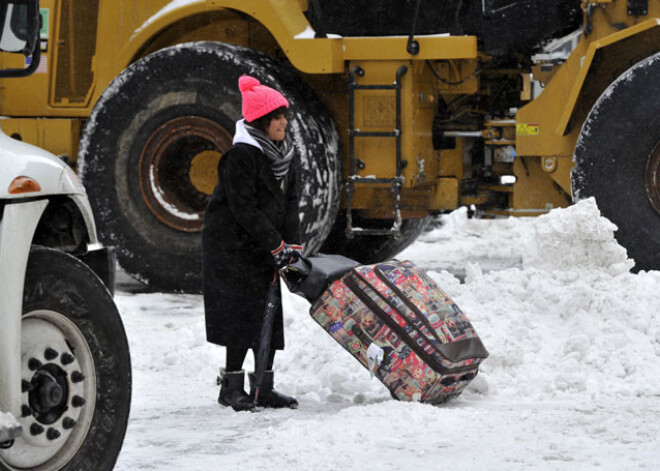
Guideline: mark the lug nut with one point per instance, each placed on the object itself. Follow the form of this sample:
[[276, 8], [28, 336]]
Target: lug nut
[[68, 423], [34, 364], [53, 434], [77, 377], [26, 411], [67, 358], [77, 401], [26, 386], [50, 354], [36, 429]]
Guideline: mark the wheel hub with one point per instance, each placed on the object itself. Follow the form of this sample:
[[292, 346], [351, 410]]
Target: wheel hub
[[59, 391], [652, 178], [204, 171], [177, 170], [49, 393]]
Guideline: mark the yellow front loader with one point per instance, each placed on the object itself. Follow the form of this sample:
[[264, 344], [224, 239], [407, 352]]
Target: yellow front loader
[[401, 110]]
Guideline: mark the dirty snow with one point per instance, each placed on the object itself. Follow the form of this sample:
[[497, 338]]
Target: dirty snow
[[572, 382]]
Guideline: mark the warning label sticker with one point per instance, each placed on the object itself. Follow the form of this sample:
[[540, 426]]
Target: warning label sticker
[[527, 129], [42, 68]]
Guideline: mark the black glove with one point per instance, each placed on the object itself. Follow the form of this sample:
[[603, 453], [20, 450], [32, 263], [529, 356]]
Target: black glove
[[286, 254]]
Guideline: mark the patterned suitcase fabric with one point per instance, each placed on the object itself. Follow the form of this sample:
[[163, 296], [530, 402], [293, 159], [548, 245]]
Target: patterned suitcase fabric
[[430, 352]]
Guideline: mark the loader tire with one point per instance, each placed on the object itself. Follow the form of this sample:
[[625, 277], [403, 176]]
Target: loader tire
[[617, 160], [368, 249], [76, 370], [150, 149]]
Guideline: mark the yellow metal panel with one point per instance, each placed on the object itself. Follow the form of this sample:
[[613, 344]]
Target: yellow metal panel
[[375, 111], [294, 35], [534, 191], [73, 47], [446, 193], [542, 129], [394, 48], [128, 29], [316, 56], [451, 161], [588, 59], [456, 77], [308, 55], [59, 136], [375, 201], [25, 96], [536, 122], [559, 169], [424, 159]]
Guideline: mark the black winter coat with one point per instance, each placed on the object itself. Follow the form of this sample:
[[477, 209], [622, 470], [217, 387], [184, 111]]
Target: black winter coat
[[248, 215]]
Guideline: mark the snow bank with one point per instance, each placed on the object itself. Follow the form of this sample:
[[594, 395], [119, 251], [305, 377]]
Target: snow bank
[[573, 333], [576, 237], [572, 320], [571, 382]]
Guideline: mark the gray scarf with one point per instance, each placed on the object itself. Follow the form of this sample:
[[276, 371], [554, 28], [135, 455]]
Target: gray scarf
[[278, 153]]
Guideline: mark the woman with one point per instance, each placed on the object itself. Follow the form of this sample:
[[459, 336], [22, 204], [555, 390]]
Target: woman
[[251, 228]]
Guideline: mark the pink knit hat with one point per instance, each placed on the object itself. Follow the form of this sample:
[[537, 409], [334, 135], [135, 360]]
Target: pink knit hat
[[258, 100]]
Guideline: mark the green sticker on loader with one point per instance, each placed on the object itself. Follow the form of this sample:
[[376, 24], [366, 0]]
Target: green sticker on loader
[[45, 12], [43, 33]]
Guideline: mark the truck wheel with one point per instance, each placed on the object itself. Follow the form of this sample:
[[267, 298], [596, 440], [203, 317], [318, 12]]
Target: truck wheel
[[368, 249], [150, 150], [617, 160], [76, 370]]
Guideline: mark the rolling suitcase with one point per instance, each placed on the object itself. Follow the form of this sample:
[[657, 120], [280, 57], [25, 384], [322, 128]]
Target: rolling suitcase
[[395, 320]]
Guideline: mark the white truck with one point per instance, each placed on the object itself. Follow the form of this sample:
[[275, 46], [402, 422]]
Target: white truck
[[65, 372]]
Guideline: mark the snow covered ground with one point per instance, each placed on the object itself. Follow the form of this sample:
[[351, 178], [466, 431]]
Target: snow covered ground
[[572, 381]]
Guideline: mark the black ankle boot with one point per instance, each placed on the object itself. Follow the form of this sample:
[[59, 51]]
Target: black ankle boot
[[268, 397], [232, 391]]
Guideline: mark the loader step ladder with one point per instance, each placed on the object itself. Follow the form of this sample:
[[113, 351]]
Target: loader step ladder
[[354, 178]]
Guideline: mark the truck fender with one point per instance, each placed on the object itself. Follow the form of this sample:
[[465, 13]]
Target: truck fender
[[588, 63], [22, 159], [53, 176], [289, 30]]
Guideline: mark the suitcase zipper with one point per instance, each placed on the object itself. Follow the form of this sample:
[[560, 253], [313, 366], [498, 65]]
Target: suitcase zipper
[[392, 324]]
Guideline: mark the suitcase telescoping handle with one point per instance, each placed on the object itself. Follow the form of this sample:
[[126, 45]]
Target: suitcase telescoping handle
[[295, 274]]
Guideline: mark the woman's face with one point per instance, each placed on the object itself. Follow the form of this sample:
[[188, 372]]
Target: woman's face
[[277, 127]]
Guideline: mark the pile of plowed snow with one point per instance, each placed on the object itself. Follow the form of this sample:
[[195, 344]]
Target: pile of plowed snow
[[571, 382], [572, 320]]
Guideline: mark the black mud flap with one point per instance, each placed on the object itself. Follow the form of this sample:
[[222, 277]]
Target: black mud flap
[[103, 262]]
